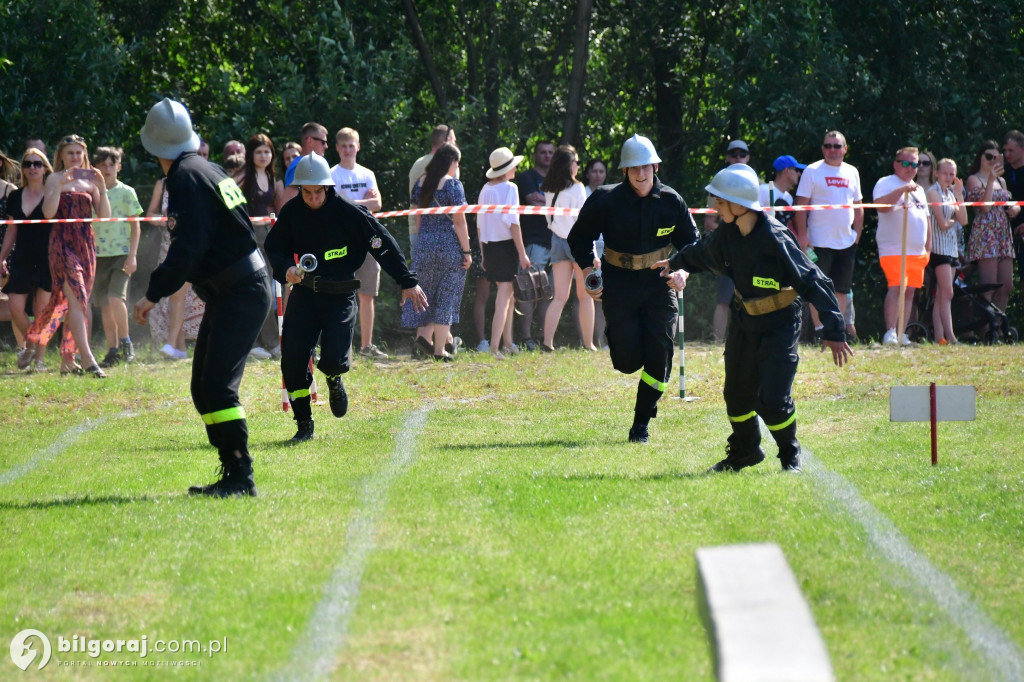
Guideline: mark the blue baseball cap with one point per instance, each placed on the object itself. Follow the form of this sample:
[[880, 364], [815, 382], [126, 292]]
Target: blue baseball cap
[[787, 161]]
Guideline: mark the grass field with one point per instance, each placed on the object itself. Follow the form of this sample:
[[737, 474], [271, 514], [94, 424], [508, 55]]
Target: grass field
[[482, 520]]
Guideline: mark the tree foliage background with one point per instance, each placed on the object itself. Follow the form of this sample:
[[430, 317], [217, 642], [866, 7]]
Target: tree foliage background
[[691, 75]]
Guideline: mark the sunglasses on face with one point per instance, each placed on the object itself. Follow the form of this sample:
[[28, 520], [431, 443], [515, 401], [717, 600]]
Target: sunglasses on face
[[738, 153], [909, 164], [831, 145], [924, 162], [990, 156], [33, 164], [317, 139]]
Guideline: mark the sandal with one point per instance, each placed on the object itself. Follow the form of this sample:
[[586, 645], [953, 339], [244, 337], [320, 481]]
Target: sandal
[[444, 357], [25, 356], [73, 369], [425, 346], [94, 370]]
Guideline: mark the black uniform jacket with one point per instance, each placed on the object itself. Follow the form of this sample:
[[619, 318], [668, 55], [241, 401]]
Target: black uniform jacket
[[339, 234], [208, 222], [630, 223], [761, 264]]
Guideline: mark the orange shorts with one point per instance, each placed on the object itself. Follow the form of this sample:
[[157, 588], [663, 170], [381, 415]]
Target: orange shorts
[[915, 270]]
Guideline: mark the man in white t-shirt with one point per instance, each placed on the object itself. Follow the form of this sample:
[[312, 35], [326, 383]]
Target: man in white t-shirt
[[787, 175], [358, 184], [834, 233], [907, 201]]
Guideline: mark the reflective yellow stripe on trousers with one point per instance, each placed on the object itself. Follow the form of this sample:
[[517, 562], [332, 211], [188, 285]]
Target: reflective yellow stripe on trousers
[[779, 427], [301, 393], [652, 382], [221, 416]]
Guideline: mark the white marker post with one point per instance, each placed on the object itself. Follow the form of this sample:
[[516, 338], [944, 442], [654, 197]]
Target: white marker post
[[682, 343], [932, 403]]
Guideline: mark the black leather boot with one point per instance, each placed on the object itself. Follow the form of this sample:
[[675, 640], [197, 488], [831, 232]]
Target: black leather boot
[[236, 478], [789, 447], [744, 448]]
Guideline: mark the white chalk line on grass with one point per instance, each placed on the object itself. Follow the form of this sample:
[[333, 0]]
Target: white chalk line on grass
[[317, 649], [1001, 653], [63, 442]]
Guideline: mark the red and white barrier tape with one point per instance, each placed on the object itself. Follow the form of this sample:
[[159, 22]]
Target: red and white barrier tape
[[521, 210]]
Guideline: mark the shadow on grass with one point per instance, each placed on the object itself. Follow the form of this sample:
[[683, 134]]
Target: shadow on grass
[[634, 478], [81, 501], [519, 445]]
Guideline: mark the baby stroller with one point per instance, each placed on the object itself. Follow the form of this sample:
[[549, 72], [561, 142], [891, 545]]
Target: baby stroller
[[975, 319]]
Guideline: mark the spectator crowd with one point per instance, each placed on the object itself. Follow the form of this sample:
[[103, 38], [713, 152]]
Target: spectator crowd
[[85, 275]]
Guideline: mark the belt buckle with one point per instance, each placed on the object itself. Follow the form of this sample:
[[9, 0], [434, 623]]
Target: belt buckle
[[316, 284], [627, 260]]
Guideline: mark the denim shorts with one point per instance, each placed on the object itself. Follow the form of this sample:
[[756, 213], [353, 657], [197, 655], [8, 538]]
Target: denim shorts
[[560, 249], [538, 254]]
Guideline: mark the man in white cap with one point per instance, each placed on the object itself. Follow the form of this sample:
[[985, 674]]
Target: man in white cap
[[213, 247], [340, 235], [770, 272], [642, 220]]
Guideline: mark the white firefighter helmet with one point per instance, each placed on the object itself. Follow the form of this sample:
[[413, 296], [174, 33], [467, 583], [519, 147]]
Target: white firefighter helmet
[[312, 169], [168, 132], [638, 151], [738, 184]]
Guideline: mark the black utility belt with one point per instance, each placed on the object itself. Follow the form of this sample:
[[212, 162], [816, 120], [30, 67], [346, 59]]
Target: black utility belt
[[322, 285], [218, 283]]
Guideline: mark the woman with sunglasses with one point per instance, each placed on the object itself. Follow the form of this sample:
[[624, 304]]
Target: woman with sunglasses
[[28, 265], [990, 243], [927, 172], [74, 191]]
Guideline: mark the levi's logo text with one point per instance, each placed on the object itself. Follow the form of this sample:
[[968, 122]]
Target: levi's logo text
[[666, 230], [833, 181], [336, 253], [230, 193], [766, 283]]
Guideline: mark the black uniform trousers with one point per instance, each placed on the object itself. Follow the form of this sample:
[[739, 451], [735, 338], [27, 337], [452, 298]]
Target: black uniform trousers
[[640, 313], [230, 325], [760, 365], [309, 316]]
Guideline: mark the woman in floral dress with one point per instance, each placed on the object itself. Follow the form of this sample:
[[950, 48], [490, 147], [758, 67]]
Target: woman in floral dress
[[442, 253], [990, 243], [74, 190]]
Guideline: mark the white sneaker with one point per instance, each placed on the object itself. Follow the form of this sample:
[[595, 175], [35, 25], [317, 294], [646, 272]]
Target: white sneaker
[[180, 354], [510, 350], [498, 355], [890, 338], [905, 341], [259, 354], [169, 351], [484, 346]]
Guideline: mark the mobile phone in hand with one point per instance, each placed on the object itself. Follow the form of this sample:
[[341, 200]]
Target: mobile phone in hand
[[82, 174]]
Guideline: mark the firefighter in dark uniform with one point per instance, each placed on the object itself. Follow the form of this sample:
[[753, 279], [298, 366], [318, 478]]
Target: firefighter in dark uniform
[[322, 303], [213, 247], [760, 255], [642, 221]]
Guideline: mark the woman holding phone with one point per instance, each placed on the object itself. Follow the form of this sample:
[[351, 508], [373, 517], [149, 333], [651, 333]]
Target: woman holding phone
[[990, 243], [74, 191]]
